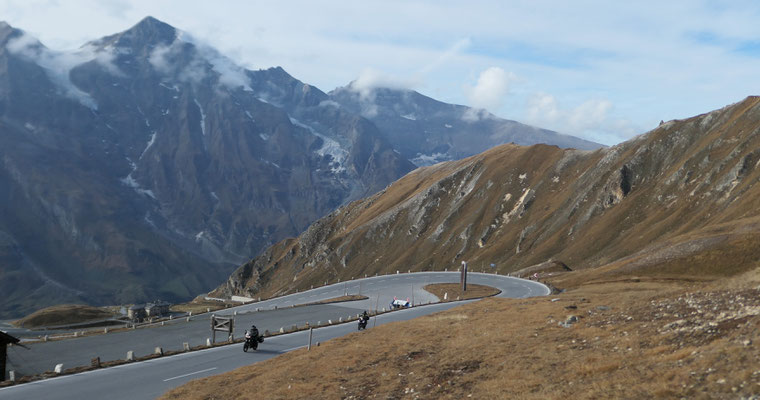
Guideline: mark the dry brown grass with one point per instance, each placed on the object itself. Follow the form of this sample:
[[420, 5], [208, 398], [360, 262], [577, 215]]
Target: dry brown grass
[[453, 291], [514, 348], [200, 305], [340, 299], [61, 315]]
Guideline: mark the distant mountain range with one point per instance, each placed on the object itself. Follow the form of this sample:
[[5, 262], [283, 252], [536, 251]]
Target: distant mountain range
[[426, 131], [681, 200], [146, 165]]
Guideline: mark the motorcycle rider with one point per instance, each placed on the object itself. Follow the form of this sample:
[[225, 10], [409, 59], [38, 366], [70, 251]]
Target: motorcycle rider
[[253, 332], [252, 339], [363, 318]]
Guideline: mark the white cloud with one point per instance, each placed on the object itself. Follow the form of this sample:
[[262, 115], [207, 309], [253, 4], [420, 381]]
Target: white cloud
[[371, 79], [652, 59], [591, 119], [475, 114], [230, 74], [447, 56], [492, 87], [159, 58], [165, 60], [58, 64]]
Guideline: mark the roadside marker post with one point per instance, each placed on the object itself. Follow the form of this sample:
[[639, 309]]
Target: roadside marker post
[[463, 276], [311, 330]]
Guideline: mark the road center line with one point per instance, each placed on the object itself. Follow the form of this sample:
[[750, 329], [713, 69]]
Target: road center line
[[192, 373]]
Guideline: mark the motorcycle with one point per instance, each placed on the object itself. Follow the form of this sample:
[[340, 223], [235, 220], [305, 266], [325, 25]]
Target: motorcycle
[[363, 323], [252, 341]]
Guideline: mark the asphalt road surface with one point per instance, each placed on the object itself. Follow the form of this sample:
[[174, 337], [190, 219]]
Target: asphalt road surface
[[149, 379]]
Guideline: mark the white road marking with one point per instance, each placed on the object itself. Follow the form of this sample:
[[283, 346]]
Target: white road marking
[[192, 373]]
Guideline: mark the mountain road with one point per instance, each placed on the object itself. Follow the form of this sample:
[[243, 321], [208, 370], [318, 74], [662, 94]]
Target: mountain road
[[148, 379]]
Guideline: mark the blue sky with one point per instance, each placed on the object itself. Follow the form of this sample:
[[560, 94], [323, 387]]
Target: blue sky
[[605, 71]]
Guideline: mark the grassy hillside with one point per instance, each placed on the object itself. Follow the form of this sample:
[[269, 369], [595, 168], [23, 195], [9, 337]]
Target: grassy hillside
[[685, 187], [65, 314], [639, 337], [662, 234]]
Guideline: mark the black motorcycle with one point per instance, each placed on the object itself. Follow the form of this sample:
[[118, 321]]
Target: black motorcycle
[[363, 322], [252, 341]]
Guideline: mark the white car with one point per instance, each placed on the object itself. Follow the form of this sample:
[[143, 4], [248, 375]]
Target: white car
[[396, 303]]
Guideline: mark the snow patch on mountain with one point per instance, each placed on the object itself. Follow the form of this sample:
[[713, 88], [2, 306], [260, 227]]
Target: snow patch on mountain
[[424, 160], [150, 143], [203, 117], [173, 87], [329, 147], [131, 182]]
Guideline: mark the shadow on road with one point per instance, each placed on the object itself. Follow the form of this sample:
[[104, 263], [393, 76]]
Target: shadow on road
[[264, 351]]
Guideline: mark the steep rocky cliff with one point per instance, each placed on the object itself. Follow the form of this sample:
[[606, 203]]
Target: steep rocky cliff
[[146, 165], [679, 197]]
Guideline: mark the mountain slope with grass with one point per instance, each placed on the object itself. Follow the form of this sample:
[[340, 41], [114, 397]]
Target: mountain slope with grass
[[685, 190], [663, 301]]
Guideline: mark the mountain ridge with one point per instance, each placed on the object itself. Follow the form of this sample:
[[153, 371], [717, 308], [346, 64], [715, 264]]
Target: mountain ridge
[[520, 206], [146, 165], [427, 131]]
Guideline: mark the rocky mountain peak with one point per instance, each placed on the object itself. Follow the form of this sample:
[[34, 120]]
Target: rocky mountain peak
[[7, 32], [149, 32]]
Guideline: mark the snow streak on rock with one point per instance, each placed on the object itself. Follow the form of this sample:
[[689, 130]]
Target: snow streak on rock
[[329, 147], [203, 117]]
